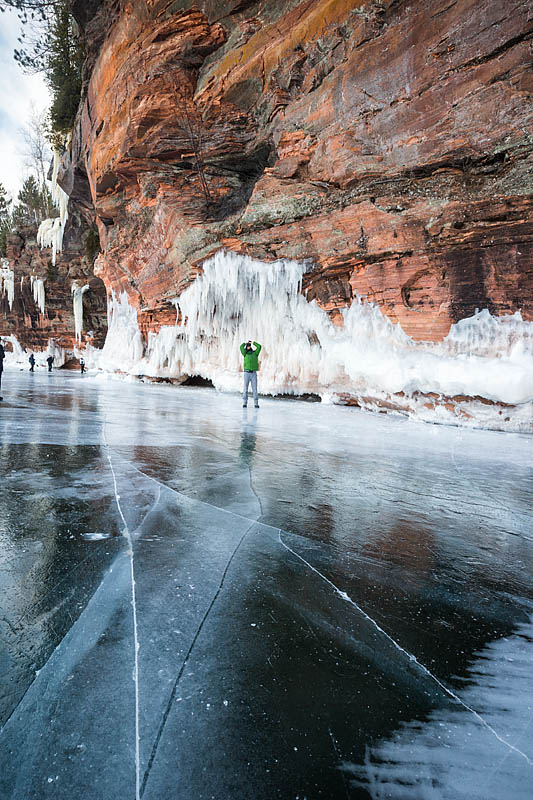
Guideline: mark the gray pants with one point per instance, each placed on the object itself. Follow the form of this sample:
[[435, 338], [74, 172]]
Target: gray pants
[[250, 377]]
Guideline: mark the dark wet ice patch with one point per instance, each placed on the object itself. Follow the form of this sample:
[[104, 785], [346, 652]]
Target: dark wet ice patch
[[48, 568]]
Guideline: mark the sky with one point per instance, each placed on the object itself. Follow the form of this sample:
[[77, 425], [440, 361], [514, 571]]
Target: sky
[[17, 93]]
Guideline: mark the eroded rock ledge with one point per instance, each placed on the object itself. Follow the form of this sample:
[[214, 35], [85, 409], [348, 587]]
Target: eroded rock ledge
[[387, 142]]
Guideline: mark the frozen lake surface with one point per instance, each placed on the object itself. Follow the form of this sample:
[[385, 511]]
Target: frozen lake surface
[[304, 601]]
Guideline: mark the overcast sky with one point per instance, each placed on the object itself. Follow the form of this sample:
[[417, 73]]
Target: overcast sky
[[18, 92]]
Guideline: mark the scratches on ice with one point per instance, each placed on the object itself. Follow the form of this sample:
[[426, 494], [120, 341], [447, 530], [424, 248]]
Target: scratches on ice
[[344, 596]]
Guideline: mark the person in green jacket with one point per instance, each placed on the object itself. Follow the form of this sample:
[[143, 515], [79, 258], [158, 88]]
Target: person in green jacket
[[251, 366]]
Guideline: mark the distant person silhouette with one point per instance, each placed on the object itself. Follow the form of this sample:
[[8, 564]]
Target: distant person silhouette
[[50, 361], [251, 365], [32, 362], [2, 356], [82, 365]]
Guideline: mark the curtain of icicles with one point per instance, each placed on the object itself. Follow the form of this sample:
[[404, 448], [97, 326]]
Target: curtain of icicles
[[37, 284], [238, 298], [7, 281], [50, 233]]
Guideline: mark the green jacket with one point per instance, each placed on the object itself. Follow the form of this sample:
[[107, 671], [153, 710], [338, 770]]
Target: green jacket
[[250, 359]]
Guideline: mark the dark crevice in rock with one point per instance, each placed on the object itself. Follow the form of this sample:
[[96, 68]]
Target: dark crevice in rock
[[471, 164], [248, 169]]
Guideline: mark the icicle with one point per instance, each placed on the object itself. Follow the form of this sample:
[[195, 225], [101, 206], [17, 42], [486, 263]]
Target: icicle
[[123, 347], [77, 299], [37, 284], [7, 281], [50, 233]]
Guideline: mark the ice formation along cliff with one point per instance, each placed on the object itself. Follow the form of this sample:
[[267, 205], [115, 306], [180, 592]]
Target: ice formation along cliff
[[50, 233], [37, 284], [7, 281], [77, 300], [237, 298], [18, 356]]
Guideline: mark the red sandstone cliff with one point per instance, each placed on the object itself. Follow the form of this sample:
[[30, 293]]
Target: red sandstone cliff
[[388, 142], [25, 321]]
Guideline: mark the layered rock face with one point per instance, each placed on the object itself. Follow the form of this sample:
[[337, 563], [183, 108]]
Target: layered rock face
[[37, 328], [389, 143]]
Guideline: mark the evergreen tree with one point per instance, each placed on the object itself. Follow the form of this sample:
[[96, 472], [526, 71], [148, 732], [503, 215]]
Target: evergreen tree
[[29, 198], [20, 218], [52, 45], [5, 220], [34, 203], [63, 70]]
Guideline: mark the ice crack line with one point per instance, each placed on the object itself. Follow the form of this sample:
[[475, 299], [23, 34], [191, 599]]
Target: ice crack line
[[185, 661], [127, 535], [410, 656]]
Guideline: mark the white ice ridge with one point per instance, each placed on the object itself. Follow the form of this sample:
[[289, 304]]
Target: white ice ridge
[[237, 298], [37, 284], [7, 281], [50, 233], [77, 299], [18, 356], [344, 596], [127, 535]]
